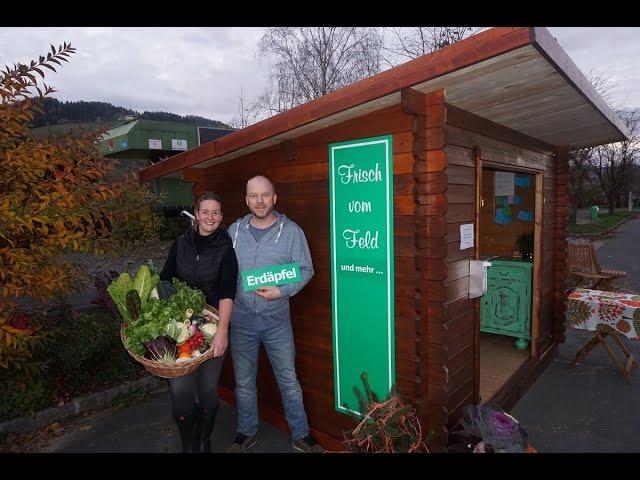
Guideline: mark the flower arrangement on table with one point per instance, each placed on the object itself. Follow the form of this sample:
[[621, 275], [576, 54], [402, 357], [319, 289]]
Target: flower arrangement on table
[[488, 429], [167, 328]]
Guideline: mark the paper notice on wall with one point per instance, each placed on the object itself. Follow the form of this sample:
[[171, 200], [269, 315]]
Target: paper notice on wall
[[523, 181], [504, 183], [178, 144], [466, 236], [526, 216], [155, 144]]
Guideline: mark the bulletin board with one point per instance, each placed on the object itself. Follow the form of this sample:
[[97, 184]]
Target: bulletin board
[[518, 205], [507, 211]]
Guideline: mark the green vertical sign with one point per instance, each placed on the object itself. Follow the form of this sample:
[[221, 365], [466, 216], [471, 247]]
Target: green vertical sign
[[361, 203]]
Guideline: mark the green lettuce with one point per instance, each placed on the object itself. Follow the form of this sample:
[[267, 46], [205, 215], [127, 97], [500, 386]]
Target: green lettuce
[[144, 283], [157, 314], [118, 290]]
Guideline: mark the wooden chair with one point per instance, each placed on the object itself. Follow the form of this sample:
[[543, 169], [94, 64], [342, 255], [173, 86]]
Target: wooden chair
[[583, 263]]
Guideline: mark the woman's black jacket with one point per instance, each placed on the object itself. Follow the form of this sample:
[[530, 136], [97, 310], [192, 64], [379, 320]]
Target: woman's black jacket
[[205, 262]]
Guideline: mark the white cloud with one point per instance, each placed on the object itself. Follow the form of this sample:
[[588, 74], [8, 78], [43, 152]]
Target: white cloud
[[199, 70], [188, 71], [606, 50]]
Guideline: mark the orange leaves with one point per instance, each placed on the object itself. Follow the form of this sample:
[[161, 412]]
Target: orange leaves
[[57, 195]]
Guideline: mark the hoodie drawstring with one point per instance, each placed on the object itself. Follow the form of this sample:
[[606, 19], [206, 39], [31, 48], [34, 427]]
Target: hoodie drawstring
[[235, 237]]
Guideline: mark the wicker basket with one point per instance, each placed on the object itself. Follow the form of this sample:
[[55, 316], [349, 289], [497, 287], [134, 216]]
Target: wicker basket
[[176, 369]]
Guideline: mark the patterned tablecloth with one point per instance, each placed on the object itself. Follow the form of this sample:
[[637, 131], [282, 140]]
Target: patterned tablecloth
[[593, 309]]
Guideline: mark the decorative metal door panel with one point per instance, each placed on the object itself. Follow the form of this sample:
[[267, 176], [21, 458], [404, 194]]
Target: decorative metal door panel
[[506, 307], [504, 303]]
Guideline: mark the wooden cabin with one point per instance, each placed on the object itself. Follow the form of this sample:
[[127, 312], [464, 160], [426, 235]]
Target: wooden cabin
[[480, 134]]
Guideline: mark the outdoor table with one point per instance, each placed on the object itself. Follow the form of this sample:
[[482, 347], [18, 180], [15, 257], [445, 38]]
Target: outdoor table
[[606, 314]]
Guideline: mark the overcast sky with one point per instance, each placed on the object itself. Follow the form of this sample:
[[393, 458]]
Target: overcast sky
[[199, 70]]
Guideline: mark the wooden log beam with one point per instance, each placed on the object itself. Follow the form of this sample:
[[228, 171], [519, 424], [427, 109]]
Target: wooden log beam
[[560, 242]]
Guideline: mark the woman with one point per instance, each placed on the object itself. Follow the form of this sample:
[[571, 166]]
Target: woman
[[204, 258]]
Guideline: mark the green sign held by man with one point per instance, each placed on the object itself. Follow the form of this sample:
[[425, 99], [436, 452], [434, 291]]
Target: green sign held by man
[[270, 276]]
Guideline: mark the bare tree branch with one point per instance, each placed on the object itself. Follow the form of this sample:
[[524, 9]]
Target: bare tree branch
[[613, 163], [313, 61], [412, 42]]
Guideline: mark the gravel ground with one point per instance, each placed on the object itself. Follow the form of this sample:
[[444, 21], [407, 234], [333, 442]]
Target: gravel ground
[[93, 264], [156, 251]]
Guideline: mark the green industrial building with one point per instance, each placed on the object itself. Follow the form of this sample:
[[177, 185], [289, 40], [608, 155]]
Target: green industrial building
[[140, 143]]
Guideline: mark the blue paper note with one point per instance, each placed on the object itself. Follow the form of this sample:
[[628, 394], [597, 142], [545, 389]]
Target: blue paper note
[[499, 216], [523, 181], [525, 216], [517, 200]]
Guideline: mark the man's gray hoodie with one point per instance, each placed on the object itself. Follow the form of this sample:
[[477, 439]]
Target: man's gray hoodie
[[284, 243]]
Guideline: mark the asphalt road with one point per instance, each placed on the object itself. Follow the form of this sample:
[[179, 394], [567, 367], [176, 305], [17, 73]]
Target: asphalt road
[[149, 428], [621, 251], [589, 408]]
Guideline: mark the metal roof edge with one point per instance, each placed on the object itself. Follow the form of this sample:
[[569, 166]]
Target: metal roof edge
[[550, 49]]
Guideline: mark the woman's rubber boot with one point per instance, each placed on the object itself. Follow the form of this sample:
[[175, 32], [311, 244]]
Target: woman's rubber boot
[[187, 427], [207, 422]]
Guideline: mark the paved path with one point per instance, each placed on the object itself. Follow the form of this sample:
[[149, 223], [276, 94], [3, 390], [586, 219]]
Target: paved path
[[621, 251], [589, 408], [149, 428]]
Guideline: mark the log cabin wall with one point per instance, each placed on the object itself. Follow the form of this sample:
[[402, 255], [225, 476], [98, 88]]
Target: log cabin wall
[[467, 133], [299, 170], [430, 177], [561, 203]]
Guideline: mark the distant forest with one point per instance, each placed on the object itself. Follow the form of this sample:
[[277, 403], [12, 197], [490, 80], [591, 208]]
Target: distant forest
[[57, 112]]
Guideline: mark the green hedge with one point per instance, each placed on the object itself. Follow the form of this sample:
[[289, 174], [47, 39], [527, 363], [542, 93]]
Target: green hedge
[[84, 354]]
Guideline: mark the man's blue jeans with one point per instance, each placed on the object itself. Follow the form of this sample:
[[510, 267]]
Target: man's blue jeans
[[278, 343]]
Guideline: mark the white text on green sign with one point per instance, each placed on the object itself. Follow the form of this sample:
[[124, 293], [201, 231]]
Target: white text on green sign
[[270, 276], [361, 202]]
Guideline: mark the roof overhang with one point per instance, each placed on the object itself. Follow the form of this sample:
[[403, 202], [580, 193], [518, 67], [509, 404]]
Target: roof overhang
[[517, 77]]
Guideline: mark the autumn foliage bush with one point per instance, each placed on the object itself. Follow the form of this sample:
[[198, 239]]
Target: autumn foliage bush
[[57, 196], [83, 355]]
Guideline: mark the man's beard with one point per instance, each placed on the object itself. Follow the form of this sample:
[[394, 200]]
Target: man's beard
[[264, 214]]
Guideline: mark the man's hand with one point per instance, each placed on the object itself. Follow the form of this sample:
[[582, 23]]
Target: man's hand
[[268, 293]]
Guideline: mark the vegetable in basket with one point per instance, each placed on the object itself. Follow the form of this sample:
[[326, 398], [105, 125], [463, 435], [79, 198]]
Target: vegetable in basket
[[144, 284], [160, 347], [134, 306], [165, 316]]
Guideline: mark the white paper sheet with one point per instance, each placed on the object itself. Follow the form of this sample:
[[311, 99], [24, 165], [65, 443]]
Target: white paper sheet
[[504, 183], [466, 236]]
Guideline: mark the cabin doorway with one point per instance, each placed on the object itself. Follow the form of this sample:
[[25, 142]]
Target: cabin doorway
[[509, 229]]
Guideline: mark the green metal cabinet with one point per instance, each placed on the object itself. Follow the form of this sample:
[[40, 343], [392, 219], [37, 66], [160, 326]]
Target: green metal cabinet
[[506, 306]]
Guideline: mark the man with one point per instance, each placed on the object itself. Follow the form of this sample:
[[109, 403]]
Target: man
[[266, 238]]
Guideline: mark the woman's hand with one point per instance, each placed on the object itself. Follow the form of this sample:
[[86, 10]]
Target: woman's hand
[[219, 343]]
